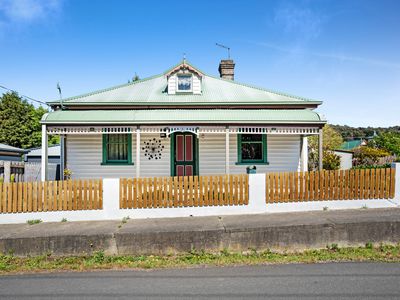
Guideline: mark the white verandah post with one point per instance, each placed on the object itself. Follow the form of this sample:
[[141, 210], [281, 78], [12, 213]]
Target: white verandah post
[[304, 154], [320, 152], [137, 152], [227, 150], [44, 154]]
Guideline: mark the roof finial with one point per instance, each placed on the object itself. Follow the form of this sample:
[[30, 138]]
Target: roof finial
[[184, 57]]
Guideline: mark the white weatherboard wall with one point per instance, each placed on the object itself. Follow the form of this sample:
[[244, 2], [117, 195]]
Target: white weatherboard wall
[[155, 167], [84, 156], [283, 152]]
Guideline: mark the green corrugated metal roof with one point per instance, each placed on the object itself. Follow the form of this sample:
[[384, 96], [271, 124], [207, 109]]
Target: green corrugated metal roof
[[350, 145], [176, 116], [153, 91]]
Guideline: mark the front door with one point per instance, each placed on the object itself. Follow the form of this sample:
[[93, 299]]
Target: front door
[[184, 154]]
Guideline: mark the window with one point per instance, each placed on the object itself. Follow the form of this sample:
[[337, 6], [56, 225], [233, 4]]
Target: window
[[184, 83], [252, 148], [117, 149]]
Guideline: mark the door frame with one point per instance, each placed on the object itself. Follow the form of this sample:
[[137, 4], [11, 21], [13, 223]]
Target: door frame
[[195, 152]]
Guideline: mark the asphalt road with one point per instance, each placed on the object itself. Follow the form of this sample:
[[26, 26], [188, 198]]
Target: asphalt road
[[316, 281]]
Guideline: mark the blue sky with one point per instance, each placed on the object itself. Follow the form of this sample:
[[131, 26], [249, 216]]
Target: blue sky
[[346, 53]]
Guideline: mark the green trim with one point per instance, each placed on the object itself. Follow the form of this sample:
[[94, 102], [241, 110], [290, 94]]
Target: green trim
[[116, 162], [206, 102], [251, 163], [263, 161], [172, 154]]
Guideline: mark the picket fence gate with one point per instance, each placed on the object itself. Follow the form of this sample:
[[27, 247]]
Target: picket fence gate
[[184, 191]]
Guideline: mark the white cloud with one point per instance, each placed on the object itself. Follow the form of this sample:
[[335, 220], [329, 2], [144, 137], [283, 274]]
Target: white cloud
[[333, 56], [27, 11], [301, 21]]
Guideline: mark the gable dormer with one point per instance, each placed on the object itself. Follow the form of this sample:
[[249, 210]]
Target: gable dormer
[[184, 79]]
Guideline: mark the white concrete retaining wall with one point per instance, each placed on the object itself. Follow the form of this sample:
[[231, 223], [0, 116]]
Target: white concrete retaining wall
[[257, 205]]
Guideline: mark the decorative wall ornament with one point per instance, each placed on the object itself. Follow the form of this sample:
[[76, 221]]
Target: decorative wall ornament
[[153, 149]]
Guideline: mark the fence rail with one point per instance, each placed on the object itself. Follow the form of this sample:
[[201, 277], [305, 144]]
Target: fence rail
[[187, 191], [51, 196], [330, 185]]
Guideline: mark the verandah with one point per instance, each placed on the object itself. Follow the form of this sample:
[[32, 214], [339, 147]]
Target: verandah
[[137, 131]]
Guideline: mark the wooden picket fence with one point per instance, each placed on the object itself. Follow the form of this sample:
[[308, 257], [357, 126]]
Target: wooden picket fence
[[330, 185], [184, 191], [51, 196]]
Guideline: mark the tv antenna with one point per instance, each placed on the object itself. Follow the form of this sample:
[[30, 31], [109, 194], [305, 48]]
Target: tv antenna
[[225, 47], [59, 91]]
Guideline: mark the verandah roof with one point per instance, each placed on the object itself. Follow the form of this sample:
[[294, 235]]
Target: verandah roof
[[178, 116]]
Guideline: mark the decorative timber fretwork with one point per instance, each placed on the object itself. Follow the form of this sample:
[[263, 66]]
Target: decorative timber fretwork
[[193, 129]]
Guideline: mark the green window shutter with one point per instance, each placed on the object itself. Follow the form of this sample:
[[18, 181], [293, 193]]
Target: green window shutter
[[257, 144], [117, 149]]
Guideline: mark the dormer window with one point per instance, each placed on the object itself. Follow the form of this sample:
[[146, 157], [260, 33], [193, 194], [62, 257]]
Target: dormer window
[[184, 83]]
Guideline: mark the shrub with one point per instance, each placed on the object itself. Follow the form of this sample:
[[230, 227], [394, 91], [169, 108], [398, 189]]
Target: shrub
[[371, 167], [367, 156], [67, 173], [331, 161], [32, 222], [331, 140]]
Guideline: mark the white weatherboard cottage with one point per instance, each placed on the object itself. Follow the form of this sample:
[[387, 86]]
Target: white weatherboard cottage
[[182, 122]]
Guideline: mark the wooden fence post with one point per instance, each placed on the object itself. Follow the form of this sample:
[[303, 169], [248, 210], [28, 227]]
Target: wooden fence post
[[396, 167]]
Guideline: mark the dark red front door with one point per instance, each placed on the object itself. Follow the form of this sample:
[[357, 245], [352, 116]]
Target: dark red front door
[[184, 154]]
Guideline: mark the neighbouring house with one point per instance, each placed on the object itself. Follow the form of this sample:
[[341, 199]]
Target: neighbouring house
[[53, 157], [346, 152], [35, 155], [346, 158], [182, 122], [10, 153]]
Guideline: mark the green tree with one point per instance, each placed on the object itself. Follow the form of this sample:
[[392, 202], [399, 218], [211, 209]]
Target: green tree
[[331, 140], [20, 122], [389, 141]]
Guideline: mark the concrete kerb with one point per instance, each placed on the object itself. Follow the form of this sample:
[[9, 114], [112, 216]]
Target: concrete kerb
[[287, 231]]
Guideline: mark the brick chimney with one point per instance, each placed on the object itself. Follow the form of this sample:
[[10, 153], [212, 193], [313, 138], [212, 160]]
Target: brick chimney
[[226, 69]]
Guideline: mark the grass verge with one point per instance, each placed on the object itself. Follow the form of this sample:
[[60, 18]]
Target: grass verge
[[332, 253]]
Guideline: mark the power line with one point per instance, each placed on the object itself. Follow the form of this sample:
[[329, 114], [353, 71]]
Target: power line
[[11, 90]]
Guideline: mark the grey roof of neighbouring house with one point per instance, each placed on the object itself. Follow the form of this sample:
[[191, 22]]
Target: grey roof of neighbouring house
[[52, 151], [8, 148], [215, 91]]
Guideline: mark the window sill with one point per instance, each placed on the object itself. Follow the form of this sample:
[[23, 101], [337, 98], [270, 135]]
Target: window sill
[[249, 163], [116, 164]]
